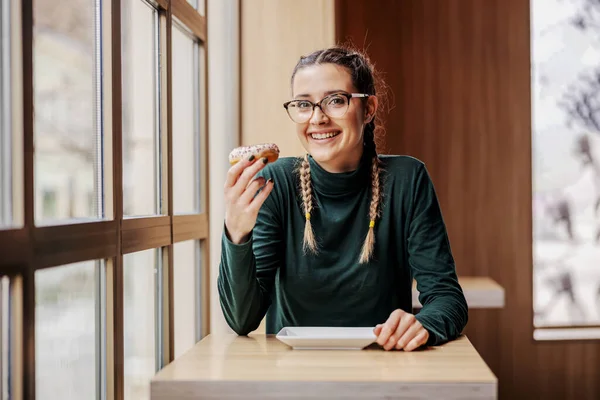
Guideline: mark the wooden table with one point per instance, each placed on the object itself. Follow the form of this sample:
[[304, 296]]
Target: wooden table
[[261, 367], [480, 292]]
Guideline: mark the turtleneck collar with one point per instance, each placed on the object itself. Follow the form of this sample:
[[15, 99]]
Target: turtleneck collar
[[341, 183]]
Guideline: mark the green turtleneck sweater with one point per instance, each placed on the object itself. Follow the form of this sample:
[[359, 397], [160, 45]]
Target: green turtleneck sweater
[[271, 274]]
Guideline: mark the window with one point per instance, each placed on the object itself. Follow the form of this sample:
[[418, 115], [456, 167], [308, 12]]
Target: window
[[141, 106], [140, 316], [186, 122], [11, 137], [565, 54], [5, 142], [4, 336], [66, 331], [187, 284], [67, 82], [92, 232]]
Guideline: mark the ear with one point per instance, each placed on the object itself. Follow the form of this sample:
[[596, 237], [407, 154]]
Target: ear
[[371, 108]]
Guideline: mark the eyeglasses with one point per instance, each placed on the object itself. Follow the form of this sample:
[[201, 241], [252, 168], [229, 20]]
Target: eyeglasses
[[334, 106]]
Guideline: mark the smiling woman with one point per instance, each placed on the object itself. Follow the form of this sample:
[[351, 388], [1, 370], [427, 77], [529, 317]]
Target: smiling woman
[[336, 237]]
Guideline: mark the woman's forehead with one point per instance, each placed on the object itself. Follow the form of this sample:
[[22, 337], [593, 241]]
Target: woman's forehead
[[316, 81]]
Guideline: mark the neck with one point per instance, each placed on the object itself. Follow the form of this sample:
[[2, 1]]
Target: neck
[[341, 182]]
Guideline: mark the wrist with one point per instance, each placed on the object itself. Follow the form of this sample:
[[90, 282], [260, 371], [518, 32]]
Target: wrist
[[240, 239], [235, 237]]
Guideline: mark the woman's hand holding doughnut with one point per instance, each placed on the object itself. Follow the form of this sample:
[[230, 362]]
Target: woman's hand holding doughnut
[[241, 201]]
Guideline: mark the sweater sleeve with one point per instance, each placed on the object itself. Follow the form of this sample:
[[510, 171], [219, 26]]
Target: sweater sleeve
[[247, 272], [444, 313]]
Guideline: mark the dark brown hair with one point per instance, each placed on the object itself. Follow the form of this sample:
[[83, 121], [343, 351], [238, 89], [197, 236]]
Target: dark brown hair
[[366, 80]]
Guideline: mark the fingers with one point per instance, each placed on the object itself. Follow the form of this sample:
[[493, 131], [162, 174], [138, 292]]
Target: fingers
[[246, 176], [262, 196], [414, 336], [404, 325], [377, 329], [235, 171], [418, 340], [389, 327], [402, 330], [251, 190]]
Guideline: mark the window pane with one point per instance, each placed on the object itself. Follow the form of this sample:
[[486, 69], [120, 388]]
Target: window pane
[[65, 332], [5, 181], [140, 108], [565, 121], [4, 343], [185, 114], [139, 319], [66, 78], [11, 120], [186, 295], [5, 146]]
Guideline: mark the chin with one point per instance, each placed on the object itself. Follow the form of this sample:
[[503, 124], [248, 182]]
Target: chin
[[322, 155]]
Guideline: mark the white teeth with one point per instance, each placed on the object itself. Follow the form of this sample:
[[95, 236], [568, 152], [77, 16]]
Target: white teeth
[[325, 135]]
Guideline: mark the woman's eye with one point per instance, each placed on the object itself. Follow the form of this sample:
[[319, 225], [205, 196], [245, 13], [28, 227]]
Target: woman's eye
[[304, 104], [336, 101]]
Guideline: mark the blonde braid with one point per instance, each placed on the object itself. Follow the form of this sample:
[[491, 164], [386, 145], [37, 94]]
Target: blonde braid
[[374, 212], [309, 237]]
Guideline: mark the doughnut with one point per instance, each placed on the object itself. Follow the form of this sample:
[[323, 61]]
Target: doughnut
[[268, 150]]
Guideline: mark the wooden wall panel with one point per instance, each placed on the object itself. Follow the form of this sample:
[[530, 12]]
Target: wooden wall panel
[[460, 74]]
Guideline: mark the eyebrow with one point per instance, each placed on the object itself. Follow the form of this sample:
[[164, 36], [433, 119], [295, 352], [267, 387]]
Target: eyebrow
[[326, 93]]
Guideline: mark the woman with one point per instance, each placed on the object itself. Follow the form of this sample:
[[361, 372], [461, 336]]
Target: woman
[[335, 238]]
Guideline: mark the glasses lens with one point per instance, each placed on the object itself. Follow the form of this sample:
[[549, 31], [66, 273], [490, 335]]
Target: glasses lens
[[300, 111], [335, 105]]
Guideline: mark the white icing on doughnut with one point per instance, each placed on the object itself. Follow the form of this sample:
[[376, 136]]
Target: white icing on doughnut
[[245, 151]]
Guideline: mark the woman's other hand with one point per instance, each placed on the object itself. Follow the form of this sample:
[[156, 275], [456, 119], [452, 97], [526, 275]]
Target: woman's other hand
[[241, 205], [401, 331]]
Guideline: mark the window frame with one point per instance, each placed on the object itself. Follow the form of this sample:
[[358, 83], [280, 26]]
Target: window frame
[[30, 248]]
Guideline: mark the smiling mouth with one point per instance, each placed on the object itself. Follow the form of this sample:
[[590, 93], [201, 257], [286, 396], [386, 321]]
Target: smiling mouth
[[324, 135]]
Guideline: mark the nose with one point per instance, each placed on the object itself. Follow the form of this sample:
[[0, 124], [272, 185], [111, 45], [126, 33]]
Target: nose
[[318, 117]]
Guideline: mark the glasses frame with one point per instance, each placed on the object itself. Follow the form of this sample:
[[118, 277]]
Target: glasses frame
[[348, 96]]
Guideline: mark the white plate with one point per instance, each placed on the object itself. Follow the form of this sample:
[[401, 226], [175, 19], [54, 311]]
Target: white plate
[[326, 338]]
